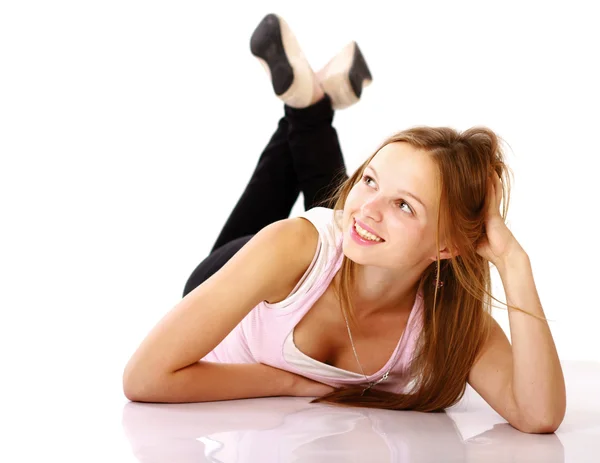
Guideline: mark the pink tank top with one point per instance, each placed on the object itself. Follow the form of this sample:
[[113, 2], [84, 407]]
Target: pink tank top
[[265, 335]]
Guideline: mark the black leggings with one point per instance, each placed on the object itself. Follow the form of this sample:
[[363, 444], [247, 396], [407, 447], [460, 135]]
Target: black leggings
[[303, 154]]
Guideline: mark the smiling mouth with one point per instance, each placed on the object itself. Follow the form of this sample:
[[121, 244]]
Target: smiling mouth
[[377, 239]]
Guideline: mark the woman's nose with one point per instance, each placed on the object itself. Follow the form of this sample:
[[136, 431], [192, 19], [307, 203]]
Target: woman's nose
[[372, 207]]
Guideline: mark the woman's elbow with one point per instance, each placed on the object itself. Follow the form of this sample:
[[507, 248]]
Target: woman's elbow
[[547, 427], [136, 387]]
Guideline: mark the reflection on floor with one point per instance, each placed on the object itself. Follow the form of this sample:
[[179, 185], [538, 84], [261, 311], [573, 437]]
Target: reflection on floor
[[289, 429]]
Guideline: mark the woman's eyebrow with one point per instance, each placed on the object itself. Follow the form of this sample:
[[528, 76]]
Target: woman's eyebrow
[[404, 192]]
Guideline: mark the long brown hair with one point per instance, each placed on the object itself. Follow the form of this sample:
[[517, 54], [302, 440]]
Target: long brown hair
[[456, 316]]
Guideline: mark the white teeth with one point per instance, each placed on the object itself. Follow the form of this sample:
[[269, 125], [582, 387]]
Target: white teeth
[[365, 234]]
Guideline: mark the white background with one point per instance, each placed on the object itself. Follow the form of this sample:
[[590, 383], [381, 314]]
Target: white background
[[128, 130]]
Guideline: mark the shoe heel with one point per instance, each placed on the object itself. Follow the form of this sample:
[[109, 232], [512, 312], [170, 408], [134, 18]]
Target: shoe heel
[[359, 75]]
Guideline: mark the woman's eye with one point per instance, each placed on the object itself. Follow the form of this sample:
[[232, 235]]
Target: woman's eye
[[409, 208], [366, 180]]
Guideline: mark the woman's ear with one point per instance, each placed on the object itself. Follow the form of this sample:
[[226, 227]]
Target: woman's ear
[[446, 253]]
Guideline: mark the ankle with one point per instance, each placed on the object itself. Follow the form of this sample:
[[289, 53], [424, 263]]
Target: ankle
[[318, 92]]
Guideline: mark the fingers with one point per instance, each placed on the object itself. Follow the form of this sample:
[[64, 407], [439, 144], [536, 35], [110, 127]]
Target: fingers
[[496, 186], [498, 189]]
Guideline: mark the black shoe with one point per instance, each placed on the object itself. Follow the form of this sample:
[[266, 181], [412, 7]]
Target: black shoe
[[277, 49], [345, 76]]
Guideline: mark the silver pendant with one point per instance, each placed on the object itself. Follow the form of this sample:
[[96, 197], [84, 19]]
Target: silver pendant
[[383, 378]]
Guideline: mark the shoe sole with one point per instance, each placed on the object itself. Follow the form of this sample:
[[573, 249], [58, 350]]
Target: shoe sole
[[277, 49], [346, 76], [359, 72]]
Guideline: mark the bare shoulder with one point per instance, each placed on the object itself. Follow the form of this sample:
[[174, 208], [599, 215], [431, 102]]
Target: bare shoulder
[[303, 230], [297, 240]]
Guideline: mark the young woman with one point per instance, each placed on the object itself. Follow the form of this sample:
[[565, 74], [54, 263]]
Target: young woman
[[378, 295]]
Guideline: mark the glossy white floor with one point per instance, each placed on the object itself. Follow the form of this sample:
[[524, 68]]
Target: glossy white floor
[[290, 429], [107, 427]]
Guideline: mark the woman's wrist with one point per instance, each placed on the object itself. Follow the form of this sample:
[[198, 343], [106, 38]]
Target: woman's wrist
[[292, 384], [285, 382]]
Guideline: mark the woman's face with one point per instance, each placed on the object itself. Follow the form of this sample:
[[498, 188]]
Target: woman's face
[[397, 199]]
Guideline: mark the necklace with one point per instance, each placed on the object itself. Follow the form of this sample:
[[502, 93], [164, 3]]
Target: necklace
[[370, 384]]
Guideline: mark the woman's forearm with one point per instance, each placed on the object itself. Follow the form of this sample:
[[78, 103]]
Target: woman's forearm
[[208, 381], [538, 381]]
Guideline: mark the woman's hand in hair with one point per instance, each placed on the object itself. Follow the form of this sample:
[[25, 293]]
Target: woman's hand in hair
[[498, 243]]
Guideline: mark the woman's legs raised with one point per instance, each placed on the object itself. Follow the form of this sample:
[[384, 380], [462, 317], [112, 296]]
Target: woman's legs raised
[[315, 150], [270, 194], [273, 188], [303, 154]]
